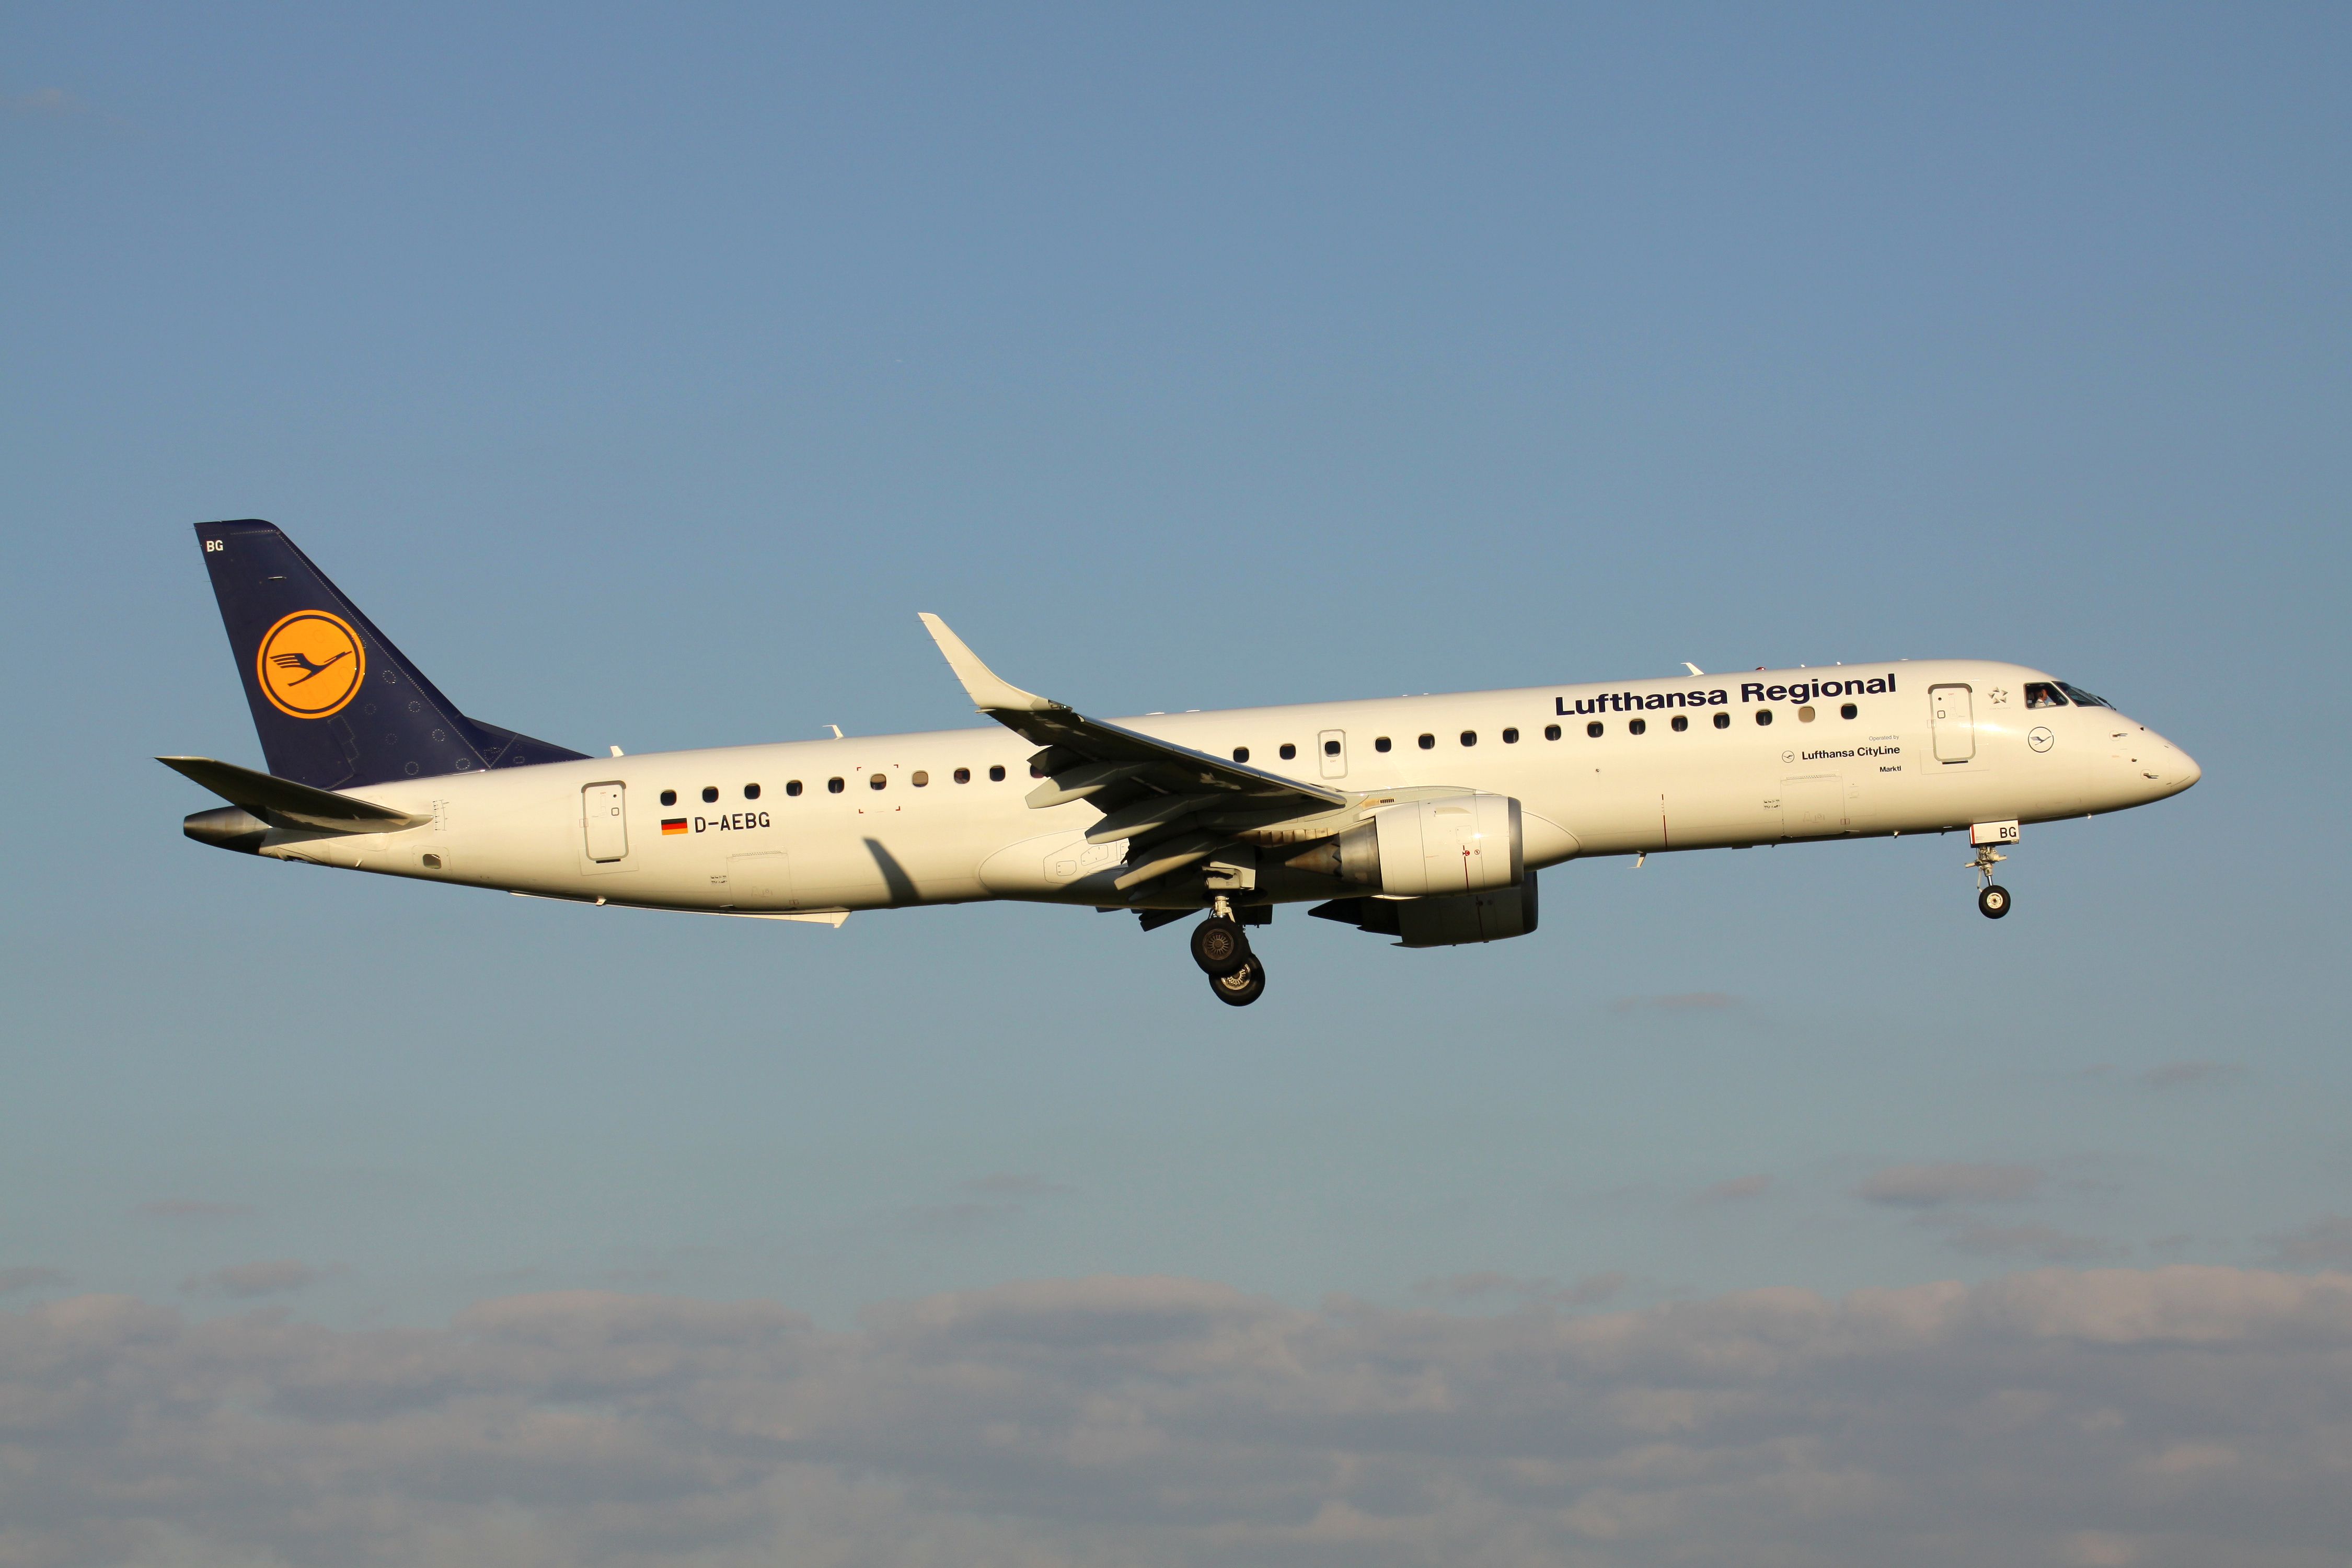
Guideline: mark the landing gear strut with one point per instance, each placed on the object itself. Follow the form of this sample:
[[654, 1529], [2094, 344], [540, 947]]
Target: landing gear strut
[[1993, 899]]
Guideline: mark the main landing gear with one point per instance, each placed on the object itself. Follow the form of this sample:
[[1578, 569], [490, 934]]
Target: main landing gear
[[1235, 975]]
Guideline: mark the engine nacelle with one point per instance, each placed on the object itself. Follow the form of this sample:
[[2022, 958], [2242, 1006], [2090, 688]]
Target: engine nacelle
[[1447, 922], [1422, 848]]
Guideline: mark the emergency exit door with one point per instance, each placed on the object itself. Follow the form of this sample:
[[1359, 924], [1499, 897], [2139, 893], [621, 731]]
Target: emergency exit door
[[601, 808], [1955, 716]]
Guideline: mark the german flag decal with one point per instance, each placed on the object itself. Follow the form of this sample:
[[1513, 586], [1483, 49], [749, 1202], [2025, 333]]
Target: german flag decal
[[673, 824]]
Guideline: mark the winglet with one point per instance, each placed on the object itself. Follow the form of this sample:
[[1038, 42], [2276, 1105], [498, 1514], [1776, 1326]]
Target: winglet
[[1692, 668], [989, 692]]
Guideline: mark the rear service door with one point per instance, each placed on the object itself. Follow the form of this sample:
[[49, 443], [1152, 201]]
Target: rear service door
[[602, 808], [1332, 749], [1954, 707]]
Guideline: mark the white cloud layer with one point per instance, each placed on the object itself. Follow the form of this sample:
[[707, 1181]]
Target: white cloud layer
[[2173, 1415]]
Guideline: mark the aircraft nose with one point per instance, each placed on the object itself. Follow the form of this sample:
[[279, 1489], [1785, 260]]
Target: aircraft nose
[[2185, 769]]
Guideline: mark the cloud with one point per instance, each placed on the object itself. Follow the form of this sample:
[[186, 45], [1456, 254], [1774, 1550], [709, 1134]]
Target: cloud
[[244, 1281], [2181, 1075], [2040, 1242], [1932, 1186], [1734, 1189], [54, 102], [2183, 1415], [1587, 1290], [1680, 1002], [2326, 1240], [29, 1279], [192, 1209], [1013, 1185]]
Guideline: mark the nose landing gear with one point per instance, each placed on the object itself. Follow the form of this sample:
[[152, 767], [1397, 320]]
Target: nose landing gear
[[1993, 899]]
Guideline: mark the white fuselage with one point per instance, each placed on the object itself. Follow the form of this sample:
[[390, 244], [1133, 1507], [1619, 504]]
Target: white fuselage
[[1933, 745]]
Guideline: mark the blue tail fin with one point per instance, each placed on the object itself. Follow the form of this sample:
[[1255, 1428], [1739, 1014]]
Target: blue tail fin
[[337, 705]]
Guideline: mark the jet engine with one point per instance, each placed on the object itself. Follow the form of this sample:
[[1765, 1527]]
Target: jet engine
[[1455, 844], [1447, 922]]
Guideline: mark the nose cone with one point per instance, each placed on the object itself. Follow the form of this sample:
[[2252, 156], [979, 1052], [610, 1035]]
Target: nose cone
[[2168, 769]]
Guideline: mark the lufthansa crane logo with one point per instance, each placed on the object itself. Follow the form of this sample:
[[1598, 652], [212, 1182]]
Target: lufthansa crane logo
[[311, 664]]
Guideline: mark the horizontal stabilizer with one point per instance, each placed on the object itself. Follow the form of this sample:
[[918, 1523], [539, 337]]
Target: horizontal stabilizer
[[286, 803]]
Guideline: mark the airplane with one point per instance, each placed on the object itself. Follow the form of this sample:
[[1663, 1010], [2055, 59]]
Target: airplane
[[1422, 818]]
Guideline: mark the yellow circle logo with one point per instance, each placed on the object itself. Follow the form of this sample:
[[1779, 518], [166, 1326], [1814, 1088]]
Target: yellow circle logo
[[311, 664]]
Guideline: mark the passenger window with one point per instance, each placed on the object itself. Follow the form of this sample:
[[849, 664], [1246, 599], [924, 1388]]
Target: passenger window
[[669, 797], [1036, 772], [792, 786], [709, 793], [878, 781], [1805, 714], [2041, 694], [1593, 729], [1723, 720], [996, 774], [1637, 726], [1288, 750], [833, 786], [1381, 744], [963, 775], [1330, 748], [1849, 712], [1551, 732], [1682, 722], [1241, 753], [1428, 742], [919, 779], [1510, 737], [750, 792], [1469, 737], [1763, 715]]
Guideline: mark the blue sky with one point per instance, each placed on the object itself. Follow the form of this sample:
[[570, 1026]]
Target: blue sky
[[644, 371]]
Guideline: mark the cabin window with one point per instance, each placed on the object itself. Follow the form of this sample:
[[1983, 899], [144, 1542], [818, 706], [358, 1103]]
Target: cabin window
[[1036, 772], [1763, 715], [750, 792], [1593, 729], [433, 862], [1849, 712], [963, 775], [878, 781], [1723, 720], [1637, 726], [792, 786], [1241, 753], [920, 778], [1428, 742], [1551, 732], [2041, 694], [996, 774], [1805, 714], [709, 793], [1510, 737], [1682, 722], [1380, 743], [669, 797], [1330, 748], [1288, 750], [834, 786]]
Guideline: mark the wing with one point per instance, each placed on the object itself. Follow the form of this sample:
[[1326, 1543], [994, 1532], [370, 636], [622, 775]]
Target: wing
[[1173, 805]]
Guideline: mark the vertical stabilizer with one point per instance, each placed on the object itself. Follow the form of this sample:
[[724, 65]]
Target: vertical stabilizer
[[337, 705]]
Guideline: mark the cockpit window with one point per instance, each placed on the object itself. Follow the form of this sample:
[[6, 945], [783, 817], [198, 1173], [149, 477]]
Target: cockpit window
[[2082, 698], [2041, 694]]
